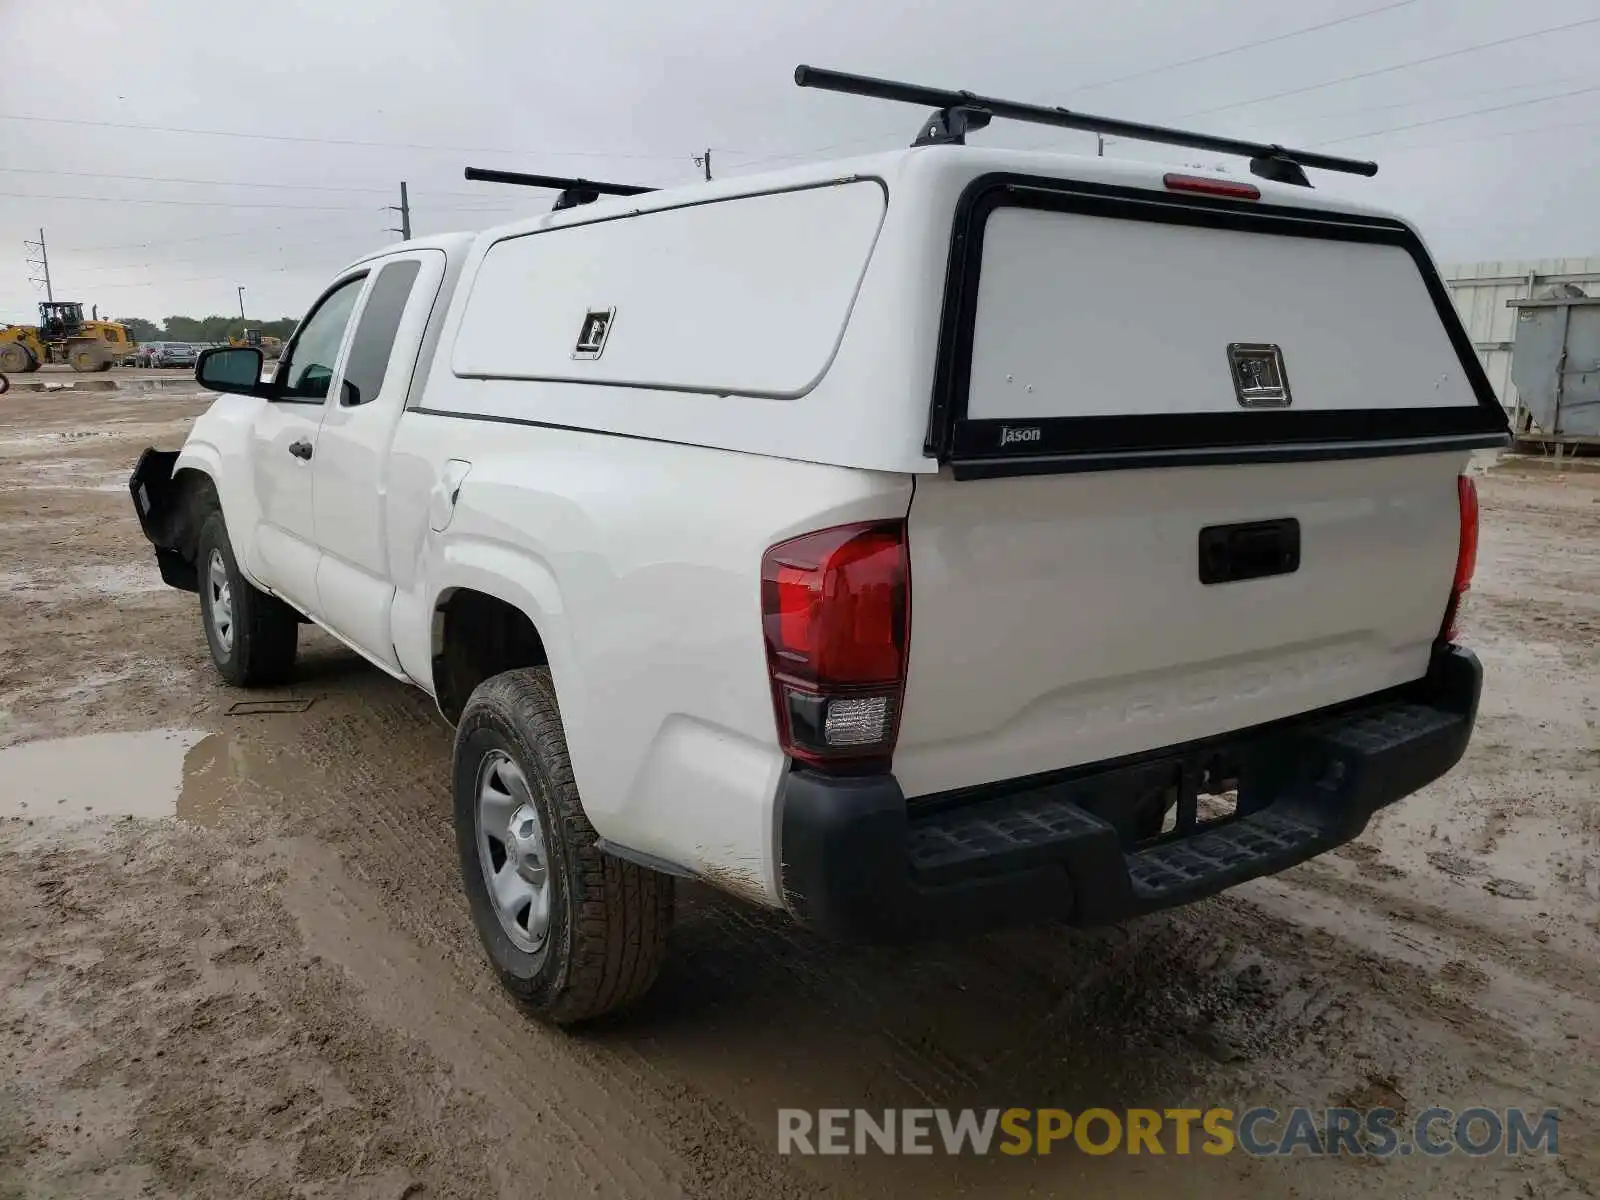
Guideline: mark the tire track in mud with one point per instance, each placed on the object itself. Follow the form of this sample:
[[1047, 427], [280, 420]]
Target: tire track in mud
[[1224, 994], [193, 1044], [393, 833], [1527, 959], [381, 800]]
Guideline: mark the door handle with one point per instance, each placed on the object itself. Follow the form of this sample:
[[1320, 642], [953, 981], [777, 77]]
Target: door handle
[[300, 449]]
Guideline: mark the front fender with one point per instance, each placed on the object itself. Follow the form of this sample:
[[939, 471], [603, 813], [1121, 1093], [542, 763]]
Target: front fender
[[200, 456], [235, 493], [218, 447]]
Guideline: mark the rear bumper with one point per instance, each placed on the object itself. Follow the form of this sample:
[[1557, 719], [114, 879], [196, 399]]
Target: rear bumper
[[858, 862]]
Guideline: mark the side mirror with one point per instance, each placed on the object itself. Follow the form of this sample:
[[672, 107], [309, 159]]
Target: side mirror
[[235, 369]]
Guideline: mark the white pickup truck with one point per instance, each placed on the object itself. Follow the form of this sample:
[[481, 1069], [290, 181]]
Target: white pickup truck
[[915, 543]]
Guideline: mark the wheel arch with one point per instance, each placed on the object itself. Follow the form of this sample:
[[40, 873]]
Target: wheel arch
[[201, 474], [482, 626]]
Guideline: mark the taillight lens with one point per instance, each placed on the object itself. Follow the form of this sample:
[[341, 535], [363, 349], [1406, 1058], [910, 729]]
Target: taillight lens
[[1466, 557], [836, 611]]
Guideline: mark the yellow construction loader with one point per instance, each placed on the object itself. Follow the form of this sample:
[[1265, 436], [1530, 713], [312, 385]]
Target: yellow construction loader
[[270, 347], [63, 336]]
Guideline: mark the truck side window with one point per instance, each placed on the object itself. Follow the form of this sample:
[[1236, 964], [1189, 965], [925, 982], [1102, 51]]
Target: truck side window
[[380, 319], [310, 361]]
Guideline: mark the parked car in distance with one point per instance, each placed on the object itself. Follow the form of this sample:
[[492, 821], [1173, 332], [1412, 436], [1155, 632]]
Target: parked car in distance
[[172, 354], [145, 355]]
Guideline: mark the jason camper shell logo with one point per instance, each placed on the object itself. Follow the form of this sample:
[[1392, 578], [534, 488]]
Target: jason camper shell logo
[[1011, 434]]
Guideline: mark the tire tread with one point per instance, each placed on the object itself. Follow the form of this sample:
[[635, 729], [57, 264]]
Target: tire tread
[[266, 630], [621, 913]]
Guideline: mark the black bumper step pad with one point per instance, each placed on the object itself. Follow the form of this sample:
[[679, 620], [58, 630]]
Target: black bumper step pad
[[1228, 850]]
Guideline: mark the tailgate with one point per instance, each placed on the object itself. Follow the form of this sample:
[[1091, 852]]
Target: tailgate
[[1200, 475], [1061, 620]]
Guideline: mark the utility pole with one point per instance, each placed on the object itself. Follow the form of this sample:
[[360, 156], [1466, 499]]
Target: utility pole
[[240, 290], [43, 263], [704, 160], [404, 209]]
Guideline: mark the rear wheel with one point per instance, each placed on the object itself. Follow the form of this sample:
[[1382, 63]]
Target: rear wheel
[[253, 636], [573, 933], [84, 359]]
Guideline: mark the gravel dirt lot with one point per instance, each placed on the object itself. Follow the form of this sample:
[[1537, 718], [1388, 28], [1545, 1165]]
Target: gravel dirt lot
[[234, 960]]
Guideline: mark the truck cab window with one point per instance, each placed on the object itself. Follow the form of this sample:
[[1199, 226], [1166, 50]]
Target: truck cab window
[[307, 370], [374, 339]]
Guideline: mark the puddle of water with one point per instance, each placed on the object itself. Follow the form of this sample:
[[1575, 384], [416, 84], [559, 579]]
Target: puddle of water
[[184, 773]]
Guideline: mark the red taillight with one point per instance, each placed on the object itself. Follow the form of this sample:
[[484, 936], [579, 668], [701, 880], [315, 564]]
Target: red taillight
[[1211, 187], [1466, 557], [836, 611]]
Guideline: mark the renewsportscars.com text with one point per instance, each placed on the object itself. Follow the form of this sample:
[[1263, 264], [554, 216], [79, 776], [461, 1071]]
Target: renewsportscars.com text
[[1259, 1132]]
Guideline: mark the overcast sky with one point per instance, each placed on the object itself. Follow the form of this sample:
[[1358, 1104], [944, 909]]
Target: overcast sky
[[630, 90]]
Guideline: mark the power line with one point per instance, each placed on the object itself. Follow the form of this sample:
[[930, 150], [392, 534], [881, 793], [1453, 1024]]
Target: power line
[[195, 203], [1240, 49], [309, 187], [1496, 135], [1415, 62], [321, 262], [1418, 101], [179, 262], [1477, 112], [101, 287], [322, 141], [243, 183], [756, 162], [254, 231]]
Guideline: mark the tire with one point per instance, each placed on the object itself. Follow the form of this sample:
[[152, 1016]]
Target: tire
[[14, 358], [252, 636], [84, 360], [607, 920]]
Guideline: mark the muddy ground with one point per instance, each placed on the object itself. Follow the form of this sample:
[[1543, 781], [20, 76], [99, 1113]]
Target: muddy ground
[[278, 993]]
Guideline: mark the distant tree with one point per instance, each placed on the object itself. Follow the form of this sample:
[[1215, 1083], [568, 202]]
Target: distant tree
[[215, 328], [181, 329], [141, 330]]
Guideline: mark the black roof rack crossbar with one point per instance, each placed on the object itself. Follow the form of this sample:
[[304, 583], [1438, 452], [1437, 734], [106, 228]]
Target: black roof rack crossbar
[[573, 191], [957, 112]]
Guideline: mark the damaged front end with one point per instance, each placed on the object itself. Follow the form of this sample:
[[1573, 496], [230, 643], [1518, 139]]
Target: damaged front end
[[166, 515]]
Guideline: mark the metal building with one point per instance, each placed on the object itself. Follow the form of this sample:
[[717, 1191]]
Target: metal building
[[1481, 291]]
